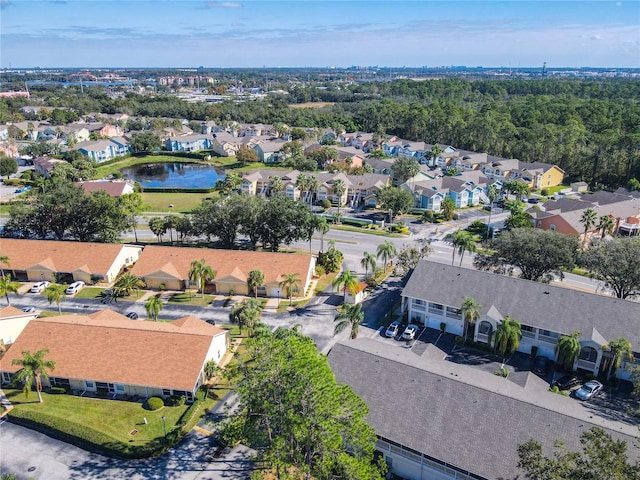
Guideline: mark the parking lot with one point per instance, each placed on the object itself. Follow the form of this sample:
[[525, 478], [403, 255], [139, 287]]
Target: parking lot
[[611, 403]]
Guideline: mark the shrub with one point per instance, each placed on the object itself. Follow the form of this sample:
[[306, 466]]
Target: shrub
[[162, 287], [443, 327], [459, 340], [544, 192], [326, 203], [153, 404], [503, 372], [320, 270], [57, 390], [534, 351], [175, 401]]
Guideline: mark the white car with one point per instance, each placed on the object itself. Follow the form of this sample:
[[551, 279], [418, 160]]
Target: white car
[[29, 309], [39, 287], [410, 332], [392, 330], [74, 288]]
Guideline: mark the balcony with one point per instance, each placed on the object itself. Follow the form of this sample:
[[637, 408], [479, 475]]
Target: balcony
[[587, 365]]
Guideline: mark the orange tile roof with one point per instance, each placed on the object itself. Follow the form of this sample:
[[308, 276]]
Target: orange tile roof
[[11, 312], [108, 347], [236, 263], [66, 257]]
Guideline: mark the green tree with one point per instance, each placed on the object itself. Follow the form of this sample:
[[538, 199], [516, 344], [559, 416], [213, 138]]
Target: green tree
[[616, 262], [508, 335], [290, 282], [470, 313], [282, 221], [145, 142], [200, 273], [404, 168], [7, 287], [287, 404], [275, 185], [386, 251], [126, 284], [153, 307], [492, 194], [409, 256], [332, 259], [211, 370], [588, 219], [606, 224], [348, 281], [323, 227], [171, 222], [132, 205], [33, 369], [368, 261], [4, 260], [462, 241], [448, 207], [538, 254], [568, 350], [396, 200], [8, 166], [56, 292], [620, 350], [255, 279], [351, 315], [246, 314], [246, 155], [339, 188], [601, 457], [158, 226]]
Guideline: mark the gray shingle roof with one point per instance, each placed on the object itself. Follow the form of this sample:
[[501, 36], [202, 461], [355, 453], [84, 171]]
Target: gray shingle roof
[[536, 304], [468, 426]]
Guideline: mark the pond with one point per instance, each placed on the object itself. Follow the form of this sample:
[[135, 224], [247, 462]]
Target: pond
[[173, 175]]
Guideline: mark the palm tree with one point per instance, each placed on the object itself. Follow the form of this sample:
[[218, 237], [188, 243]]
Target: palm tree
[[367, 261], [201, 273], [158, 227], [127, 284], [470, 313], [33, 370], [153, 307], [211, 369], [387, 251], [312, 186], [463, 241], [508, 335], [606, 225], [348, 281], [7, 287], [254, 280], [246, 314], [448, 206], [170, 223], [588, 219], [323, 227], [568, 349], [290, 280], [436, 150], [275, 185], [132, 205], [492, 194], [3, 260], [339, 188], [620, 350], [351, 315], [56, 292], [302, 183]]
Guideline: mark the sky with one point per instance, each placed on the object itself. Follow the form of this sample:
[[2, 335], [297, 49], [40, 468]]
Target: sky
[[322, 33]]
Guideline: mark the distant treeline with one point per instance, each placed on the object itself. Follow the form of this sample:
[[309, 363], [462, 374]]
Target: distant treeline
[[590, 128]]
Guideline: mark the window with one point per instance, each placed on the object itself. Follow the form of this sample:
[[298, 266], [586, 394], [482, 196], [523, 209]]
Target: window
[[552, 227], [485, 328], [89, 384], [528, 331], [418, 302], [588, 354], [549, 333]]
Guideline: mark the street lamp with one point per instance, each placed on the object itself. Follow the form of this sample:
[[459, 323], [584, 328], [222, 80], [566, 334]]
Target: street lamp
[[164, 425]]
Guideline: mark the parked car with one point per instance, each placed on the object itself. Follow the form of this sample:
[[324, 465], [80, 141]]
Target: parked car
[[541, 365], [29, 309], [410, 332], [567, 381], [74, 288], [211, 321], [588, 390], [392, 330], [533, 200], [132, 315], [39, 287]]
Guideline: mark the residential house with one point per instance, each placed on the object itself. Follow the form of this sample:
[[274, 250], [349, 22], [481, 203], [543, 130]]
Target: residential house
[[76, 131], [271, 151], [380, 165], [66, 262], [169, 266], [463, 423], [227, 144], [465, 189], [107, 353], [115, 188], [103, 150], [360, 140], [44, 165], [564, 215], [104, 130], [364, 189], [10, 149], [12, 323], [536, 175], [189, 143], [435, 292]]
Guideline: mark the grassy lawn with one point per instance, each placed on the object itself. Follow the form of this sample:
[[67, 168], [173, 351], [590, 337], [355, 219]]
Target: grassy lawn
[[90, 292], [192, 299], [49, 313], [182, 202], [556, 189], [382, 233], [324, 281]]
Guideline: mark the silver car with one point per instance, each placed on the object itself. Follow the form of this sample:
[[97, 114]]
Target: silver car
[[588, 390]]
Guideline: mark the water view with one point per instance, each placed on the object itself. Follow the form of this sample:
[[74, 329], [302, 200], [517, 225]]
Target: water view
[[173, 175]]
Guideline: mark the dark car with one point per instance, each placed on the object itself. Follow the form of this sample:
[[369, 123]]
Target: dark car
[[533, 200], [541, 365], [567, 381], [211, 321], [132, 315]]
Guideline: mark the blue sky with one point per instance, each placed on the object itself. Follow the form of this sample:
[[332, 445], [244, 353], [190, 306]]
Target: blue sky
[[256, 33]]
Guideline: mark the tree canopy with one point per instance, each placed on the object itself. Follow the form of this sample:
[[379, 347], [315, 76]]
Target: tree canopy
[[617, 262], [536, 254], [295, 414]]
